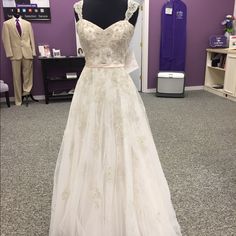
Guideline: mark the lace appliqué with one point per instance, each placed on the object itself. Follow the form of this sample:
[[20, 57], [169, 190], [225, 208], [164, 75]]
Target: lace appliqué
[[132, 8], [78, 9], [65, 195], [96, 197]]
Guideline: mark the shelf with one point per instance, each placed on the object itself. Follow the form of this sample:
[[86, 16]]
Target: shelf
[[60, 58], [55, 72], [223, 76], [215, 89], [220, 92], [221, 50], [216, 68], [61, 95], [60, 78]]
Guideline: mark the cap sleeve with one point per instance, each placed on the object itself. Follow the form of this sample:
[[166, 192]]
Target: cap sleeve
[[78, 9], [132, 8]]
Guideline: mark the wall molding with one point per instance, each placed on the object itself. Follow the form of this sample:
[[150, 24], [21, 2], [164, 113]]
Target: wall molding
[[188, 88], [235, 8], [12, 99], [194, 88], [153, 90], [145, 45]]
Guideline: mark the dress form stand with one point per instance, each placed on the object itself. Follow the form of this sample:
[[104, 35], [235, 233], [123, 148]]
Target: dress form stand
[[95, 10], [27, 99], [26, 56], [16, 15]]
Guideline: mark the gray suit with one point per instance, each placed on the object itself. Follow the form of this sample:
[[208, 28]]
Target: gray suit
[[20, 50]]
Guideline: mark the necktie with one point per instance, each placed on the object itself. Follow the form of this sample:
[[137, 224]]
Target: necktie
[[18, 27]]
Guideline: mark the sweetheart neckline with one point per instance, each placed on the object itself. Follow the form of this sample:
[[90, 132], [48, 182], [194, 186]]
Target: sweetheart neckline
[[108, 26]]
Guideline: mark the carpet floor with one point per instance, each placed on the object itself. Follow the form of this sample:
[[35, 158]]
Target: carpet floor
[[196, 141]]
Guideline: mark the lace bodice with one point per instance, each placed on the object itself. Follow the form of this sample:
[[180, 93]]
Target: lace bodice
[[105, 47]]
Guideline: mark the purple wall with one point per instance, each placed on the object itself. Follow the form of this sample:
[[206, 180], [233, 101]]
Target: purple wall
[[204, 19]]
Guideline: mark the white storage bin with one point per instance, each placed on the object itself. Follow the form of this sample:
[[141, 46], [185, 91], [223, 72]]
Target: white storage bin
[[170, 84]]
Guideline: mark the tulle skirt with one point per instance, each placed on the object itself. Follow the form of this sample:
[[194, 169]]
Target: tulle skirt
[[108, 179]]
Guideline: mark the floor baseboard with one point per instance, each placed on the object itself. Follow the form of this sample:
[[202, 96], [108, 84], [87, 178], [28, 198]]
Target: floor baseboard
[[190, 88], [42, 97], [12, 99]]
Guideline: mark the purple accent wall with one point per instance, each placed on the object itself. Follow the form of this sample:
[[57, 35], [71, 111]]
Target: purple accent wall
[[204, 19]]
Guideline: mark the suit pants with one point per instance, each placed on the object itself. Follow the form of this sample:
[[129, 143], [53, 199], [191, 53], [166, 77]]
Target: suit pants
[[22, 67]]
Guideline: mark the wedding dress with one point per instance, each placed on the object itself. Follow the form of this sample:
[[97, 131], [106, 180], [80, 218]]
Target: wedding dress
[[108, 179]]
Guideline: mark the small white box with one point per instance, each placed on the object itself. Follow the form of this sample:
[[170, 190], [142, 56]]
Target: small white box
[[170, 84]]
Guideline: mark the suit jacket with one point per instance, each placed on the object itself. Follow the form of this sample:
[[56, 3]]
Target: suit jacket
[[16, 46]]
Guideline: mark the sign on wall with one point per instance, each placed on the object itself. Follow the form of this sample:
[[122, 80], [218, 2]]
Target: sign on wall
[[28, 9]]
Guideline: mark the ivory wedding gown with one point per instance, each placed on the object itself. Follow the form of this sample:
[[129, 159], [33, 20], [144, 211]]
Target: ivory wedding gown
[[108, 179]]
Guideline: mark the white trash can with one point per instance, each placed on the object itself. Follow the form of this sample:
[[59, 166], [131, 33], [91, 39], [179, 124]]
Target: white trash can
[[170, 84]]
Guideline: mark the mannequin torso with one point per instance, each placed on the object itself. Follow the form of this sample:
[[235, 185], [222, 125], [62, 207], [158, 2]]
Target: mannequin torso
[[106, 12]]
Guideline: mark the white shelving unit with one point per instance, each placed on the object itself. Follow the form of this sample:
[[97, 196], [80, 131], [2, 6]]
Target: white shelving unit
[[222, 75]]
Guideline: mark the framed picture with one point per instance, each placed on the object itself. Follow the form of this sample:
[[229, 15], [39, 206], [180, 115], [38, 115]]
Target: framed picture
[[28, 9], [44, 50], [56, 52]]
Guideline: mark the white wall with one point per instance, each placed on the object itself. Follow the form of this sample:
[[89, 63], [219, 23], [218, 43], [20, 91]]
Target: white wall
[[235, 17], [235, 8]]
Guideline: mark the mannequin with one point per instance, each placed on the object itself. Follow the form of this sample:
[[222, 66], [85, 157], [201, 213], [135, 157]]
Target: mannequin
[[113, 10], [20, 48], [16, 15]]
